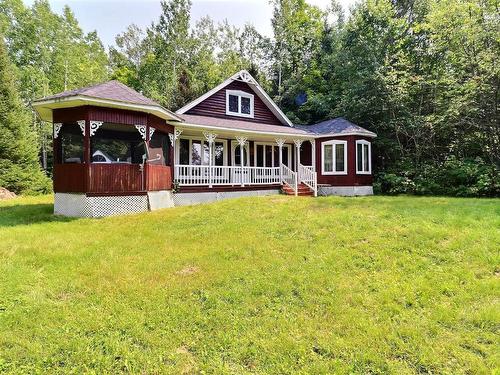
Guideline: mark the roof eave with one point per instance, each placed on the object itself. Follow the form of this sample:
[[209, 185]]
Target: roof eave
[[362, 134], [241, 131], [44, 107]]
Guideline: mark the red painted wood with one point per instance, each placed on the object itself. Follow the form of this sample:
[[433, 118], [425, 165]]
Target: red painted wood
[[108, 178], [351, 179], [215, 106], [159, 177], [69, 114], [69, 178], [117, 116], [160, 124]]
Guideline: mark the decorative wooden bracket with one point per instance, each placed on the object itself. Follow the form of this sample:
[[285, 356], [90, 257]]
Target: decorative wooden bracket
[[57, 129], [81, 123], [94, 125]]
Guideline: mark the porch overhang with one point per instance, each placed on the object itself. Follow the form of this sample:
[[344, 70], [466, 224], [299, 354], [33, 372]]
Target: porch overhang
[[45, 108], [232, 132]]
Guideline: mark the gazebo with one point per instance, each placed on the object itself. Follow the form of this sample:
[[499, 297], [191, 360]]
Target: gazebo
[[112, 150]]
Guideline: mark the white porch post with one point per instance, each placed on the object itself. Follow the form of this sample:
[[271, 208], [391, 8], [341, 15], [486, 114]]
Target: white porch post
[[210, 137], [298, 143], [174, 141], [313, 152], [280, 142], [241, 141]]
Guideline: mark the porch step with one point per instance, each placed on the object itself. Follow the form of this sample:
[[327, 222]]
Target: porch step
[[303, 190]]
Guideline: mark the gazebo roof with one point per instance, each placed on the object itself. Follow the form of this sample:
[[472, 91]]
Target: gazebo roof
[[111, 94]]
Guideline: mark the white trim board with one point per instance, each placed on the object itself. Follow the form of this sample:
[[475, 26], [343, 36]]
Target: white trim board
[[334, 144], [369, 145]]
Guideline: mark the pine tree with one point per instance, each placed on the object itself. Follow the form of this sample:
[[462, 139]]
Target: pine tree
[[19, 167]]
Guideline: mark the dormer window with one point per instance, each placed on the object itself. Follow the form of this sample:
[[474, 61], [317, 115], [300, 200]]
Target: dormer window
[[239, 103]]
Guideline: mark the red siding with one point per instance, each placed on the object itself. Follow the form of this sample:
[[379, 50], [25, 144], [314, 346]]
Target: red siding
[[109, 178], [215, 106], [351, 179], [117, 116], [159, 177], [69, 178]]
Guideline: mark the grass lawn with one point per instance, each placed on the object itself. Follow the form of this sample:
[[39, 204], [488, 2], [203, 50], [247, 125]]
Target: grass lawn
[[268, 285]]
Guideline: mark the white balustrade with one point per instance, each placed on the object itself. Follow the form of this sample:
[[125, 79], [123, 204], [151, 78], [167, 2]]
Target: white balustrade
[[308, 176], [289, 177], [196, 175]]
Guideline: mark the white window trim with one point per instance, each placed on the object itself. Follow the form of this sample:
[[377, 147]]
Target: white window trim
[[287, 146], [235, 144], [239, 94], [334, 144], [202, 140], [364, 142]]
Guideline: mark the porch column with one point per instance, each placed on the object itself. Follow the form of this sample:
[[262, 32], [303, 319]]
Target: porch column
[[174, 141], [85, 128], [313, 152], [210, 137], [280, 142], [298, 143], [241, 141]]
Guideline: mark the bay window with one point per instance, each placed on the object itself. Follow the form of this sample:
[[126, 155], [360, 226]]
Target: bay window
[[363, 157], [334, 157]]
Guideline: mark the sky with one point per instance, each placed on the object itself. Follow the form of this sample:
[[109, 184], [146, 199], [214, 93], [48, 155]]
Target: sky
[[111, 17]]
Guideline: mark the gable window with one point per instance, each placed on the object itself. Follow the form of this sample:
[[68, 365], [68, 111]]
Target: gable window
[[239, 103], [334, 157], [363, 157]]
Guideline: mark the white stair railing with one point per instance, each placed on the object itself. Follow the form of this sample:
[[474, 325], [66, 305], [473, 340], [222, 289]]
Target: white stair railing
[[289, 178], [309, 177]]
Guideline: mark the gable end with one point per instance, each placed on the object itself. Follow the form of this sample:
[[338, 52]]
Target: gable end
[[215, 106]]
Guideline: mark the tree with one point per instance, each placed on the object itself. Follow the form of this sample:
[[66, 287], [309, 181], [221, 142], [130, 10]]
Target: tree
[[19, 167]]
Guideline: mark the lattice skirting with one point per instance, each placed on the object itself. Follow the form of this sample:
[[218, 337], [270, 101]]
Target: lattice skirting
[[348, 191], [80, 205], [186, 199]]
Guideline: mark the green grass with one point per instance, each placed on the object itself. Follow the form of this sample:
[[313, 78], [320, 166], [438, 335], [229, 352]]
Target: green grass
[[268, 285]]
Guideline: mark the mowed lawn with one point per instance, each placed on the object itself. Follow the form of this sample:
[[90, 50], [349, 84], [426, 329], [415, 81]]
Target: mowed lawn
[[267, 285]]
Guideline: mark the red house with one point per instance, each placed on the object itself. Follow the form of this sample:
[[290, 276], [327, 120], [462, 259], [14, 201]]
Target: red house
[[116, 151]]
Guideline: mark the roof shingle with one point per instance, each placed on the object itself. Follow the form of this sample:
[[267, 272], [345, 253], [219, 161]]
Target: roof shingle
[[111, 90], [338, 125]]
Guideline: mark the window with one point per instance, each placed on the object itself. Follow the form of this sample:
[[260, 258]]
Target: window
[[236, 154], [334, 156], [117, 143], [363, 157], [268, 155], [239, 103], [70, 145], [195, 151]]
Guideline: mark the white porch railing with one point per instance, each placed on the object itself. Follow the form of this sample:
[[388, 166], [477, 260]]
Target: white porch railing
[[205, 175], [289, 178], [196, 175], [308, 177]]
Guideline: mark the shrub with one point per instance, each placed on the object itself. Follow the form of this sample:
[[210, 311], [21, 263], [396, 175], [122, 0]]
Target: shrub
[[454, 177]]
